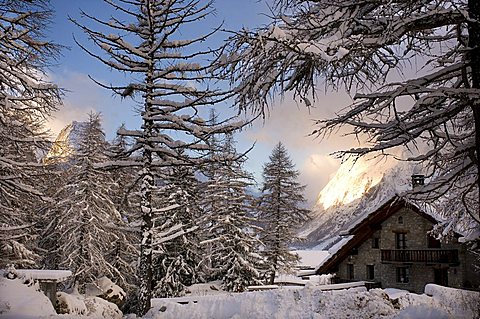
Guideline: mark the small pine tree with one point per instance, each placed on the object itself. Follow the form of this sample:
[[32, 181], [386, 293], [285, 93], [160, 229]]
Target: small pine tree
[[280, 210]]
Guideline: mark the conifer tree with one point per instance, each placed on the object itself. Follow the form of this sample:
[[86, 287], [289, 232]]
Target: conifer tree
[[84, 220], [26, 100], [281, 211], [177, 260], [125, 196], [231, 234], [173, 79]]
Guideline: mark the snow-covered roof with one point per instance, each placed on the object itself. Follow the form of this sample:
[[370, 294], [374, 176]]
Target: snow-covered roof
[[311, 258], [342, 241], [44, 274]]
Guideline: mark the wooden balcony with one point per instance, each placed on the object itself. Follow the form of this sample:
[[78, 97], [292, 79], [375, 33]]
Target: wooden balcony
[[429, 256]]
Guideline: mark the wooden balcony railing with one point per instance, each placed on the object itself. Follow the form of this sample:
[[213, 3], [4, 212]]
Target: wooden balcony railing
[[427, 256]]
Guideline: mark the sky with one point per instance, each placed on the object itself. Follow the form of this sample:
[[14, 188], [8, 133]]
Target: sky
[[288, 122]]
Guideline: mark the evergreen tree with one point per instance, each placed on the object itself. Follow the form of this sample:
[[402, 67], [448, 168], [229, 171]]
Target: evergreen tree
[[280, 210], [84, 221], [145, 41], [124, 195], [26, 100], [231, 234], [176, 260]]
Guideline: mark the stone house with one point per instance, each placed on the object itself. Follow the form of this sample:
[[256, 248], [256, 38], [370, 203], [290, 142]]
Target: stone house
[[392, 247]]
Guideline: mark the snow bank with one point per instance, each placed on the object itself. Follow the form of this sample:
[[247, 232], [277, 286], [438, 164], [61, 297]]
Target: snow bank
[[460, 303], [438, 302], [18, 300], [313, 302], [26, 301], [308, 302]]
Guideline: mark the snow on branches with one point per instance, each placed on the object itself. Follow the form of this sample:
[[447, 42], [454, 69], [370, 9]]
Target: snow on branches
[[363, 47], [172, 78], [26, 100]]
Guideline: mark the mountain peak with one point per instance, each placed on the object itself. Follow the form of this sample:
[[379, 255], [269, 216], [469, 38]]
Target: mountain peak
[[66, 143], [356, 188]]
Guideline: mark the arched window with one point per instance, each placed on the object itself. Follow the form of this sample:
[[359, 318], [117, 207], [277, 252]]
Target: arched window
[[400, 219]]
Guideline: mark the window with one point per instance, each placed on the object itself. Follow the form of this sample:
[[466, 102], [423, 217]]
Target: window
[[354, 251], [400, 220], [403, 274], [400, 241], [432, 242], [376, 242], [350, 273], [370, 272]]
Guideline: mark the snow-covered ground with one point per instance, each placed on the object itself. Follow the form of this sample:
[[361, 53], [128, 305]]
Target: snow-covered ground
[[18, 300]]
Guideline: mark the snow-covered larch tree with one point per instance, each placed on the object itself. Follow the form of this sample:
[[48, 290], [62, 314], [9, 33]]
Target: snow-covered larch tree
[[84, 222], [170, 78], [26, 100], [228, 225], [414, 70], [176, 260], [281, 211]]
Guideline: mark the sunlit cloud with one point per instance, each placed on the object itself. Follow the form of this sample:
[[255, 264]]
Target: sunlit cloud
[[83, 96], [292, 123]]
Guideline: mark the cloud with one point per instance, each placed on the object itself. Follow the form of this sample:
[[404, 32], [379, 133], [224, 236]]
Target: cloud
[[291, 123], [83, 96]]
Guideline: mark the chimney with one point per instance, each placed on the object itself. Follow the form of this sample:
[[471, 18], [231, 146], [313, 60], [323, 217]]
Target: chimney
[[418, 180]]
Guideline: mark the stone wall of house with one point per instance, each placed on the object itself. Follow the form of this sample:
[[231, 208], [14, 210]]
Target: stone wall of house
[[415, 227]]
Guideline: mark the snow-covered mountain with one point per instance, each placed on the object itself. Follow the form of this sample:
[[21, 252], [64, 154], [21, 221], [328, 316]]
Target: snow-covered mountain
[[66, 143], [357, 188]]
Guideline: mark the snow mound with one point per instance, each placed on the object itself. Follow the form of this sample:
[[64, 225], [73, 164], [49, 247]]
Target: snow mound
[[19, 300], [463, 303], [313, 302], [90, 307], [106, 289], [71, 304], [308, 302]]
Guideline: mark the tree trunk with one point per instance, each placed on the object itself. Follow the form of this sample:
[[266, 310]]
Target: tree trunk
[[145, 267], [146, 247], [474, 57]]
